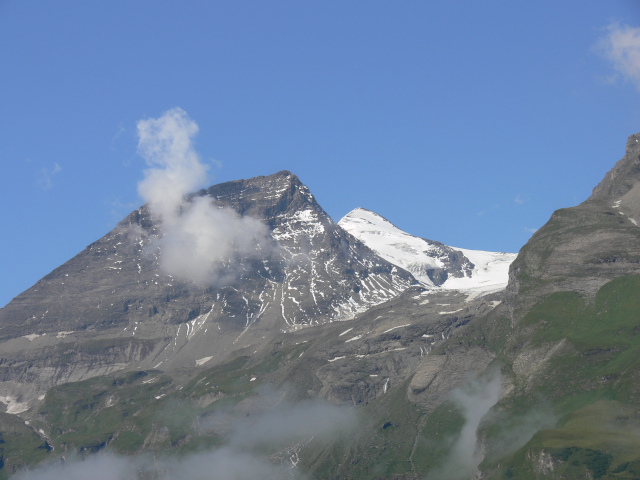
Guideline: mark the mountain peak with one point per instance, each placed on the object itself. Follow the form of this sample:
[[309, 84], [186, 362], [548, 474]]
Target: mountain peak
[[623, 179], [292, 267], [265, 197], [432, 263], [360, 214]]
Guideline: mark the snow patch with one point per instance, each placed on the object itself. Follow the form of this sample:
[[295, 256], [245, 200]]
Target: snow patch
[[13, 405], [416, 255], [399, 326], [346, 331], [357, 337], [202, 361]]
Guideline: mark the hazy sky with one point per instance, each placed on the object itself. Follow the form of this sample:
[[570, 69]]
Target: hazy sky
[[462, 122]]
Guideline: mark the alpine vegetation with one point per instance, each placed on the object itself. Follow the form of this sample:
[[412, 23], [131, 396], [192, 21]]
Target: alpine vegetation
[[265, 445]]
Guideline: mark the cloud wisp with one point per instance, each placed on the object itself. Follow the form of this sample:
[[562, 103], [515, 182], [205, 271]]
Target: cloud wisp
[[45, 176], [520, 198], [621, 46], [199, 240], [474, 400], [250, 452]]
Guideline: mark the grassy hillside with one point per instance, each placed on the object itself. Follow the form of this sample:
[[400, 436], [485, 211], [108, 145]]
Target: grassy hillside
[[584, 368]]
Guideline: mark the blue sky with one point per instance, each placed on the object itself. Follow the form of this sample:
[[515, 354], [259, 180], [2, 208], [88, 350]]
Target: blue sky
[[463, 122]]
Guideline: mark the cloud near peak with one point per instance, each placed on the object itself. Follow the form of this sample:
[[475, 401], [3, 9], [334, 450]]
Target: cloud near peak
[[175, 168], [199, 241]]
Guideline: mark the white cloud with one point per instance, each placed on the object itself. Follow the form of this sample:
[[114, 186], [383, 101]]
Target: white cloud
[[175, 168], [278, 426], [484, 212], [45, 176], [208, 244], [521, 198], [199, 241], [474, 400], [621, 46]]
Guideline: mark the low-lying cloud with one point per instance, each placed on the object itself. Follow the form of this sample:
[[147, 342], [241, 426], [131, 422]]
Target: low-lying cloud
[[474, 400], [514, 431], [265, 444], [199, 241], [288, 422]]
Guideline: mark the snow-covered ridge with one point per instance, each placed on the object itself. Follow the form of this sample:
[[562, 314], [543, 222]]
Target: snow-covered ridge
[[473, 271], [490, 273]]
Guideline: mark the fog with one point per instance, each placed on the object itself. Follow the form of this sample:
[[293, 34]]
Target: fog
[[262, 445], [474, 400]]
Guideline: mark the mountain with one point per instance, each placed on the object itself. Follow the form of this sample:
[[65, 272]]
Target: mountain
[[583, 247], [408, 353], [568, 335], [566, 340], [433, 264], [115, 307]]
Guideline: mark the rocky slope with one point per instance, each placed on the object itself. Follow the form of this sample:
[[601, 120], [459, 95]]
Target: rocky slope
[[583, 247]]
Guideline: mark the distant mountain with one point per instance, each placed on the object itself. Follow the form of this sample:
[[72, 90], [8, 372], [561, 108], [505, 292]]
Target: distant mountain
[[433, 264]]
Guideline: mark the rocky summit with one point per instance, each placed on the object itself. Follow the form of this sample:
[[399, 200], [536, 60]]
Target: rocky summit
[[314, 349]]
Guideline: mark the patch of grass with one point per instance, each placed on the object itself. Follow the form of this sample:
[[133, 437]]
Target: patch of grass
[[88, 415], [440, 431], [20, 446], [603, 350], [598, 433], [591, 382]]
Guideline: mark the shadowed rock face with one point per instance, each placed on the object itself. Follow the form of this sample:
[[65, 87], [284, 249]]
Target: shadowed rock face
[[583, 247]]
